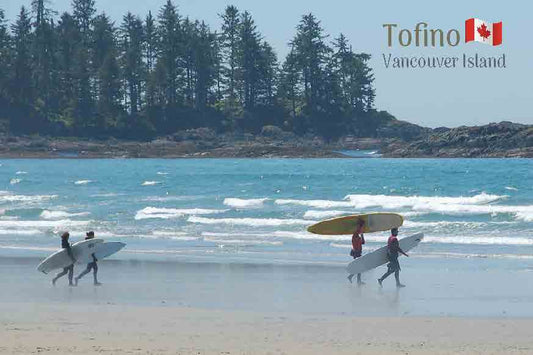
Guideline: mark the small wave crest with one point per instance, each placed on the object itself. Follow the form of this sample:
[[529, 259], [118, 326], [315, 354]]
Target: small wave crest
[[82, 182], [50, 215], [244, 203], [63, 223], [253, 222], [150, 183], [9, 197], [167, 213]]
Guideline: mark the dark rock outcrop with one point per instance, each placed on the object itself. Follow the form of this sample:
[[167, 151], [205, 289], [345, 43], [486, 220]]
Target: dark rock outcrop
[[504, 139]]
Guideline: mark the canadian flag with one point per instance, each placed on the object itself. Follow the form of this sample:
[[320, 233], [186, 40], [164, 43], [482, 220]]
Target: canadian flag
[[484, 32]]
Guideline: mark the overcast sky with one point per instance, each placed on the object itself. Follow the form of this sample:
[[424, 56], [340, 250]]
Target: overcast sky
[[429, 97]]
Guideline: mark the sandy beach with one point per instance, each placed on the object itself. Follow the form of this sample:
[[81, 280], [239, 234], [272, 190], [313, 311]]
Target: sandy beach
[[113, 329], [150, 307]]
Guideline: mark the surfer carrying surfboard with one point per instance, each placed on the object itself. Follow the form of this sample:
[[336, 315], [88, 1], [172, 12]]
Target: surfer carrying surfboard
[[358, 239], [393, 250], [69, 269], [90, 266]]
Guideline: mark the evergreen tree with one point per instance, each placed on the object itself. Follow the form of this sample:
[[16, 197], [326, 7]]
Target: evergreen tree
[[44, 70], [21, 84], [83, 76], [249, 58], [5, 65], [170, 50], [132, 61], [107, 83], [230, 48], [311, 56], [68, 49]]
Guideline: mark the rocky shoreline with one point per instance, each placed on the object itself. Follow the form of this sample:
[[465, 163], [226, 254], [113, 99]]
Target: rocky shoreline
[[503, 139]]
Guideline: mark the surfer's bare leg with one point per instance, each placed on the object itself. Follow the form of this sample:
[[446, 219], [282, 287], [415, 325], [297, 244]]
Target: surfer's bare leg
[[350, 277], [385, 275], [84, 272], [95, 274], [70, 274], [359, 282], [61, 274], [397, 276]]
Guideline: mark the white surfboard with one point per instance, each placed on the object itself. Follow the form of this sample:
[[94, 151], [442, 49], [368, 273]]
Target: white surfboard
[[61, 259], [379, 257], [101, 251]]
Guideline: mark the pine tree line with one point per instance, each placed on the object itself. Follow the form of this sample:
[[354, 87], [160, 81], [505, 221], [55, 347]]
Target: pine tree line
[[81, 74]]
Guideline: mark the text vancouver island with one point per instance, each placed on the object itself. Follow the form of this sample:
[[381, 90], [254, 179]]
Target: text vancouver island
[[443, 62]]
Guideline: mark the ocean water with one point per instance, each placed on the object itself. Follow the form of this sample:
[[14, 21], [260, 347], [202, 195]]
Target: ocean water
[[231, 233], [257, 210]]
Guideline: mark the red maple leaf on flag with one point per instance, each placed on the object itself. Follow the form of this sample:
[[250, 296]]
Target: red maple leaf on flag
[[483, 32]]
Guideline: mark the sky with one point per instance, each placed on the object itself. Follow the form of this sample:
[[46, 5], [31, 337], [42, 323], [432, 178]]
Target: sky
[[429, 97]]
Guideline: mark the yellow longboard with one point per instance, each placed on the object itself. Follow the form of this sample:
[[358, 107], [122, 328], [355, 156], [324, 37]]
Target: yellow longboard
[[374, 222]]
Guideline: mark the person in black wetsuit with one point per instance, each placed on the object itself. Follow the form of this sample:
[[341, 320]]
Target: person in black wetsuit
[[90, 266], [69, 269], [393, 250]]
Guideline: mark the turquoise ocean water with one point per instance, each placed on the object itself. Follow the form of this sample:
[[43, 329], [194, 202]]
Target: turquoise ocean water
[[231, 233], [257, 210]]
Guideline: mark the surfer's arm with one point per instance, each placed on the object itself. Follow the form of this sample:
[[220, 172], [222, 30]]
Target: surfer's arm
[[94, 258], [401, 251], [362, 239]]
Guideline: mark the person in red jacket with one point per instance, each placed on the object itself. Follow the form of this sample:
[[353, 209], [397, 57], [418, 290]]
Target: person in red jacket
[[393, 250], [358, 239]]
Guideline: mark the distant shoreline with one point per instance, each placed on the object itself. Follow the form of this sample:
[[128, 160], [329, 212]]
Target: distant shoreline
[[497, 140]]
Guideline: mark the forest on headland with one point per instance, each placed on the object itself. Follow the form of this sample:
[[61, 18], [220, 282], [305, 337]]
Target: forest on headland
[[81, 74]]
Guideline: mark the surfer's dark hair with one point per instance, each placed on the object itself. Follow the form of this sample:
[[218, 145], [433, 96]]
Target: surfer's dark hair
[[394, 230], [65, 235], [90, 234]]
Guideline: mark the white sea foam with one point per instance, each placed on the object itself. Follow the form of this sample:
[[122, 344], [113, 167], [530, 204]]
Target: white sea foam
[[314, 214], [462, 224], [20, 232], [524, 212], [82, 182], [150, 183], [511, 188], [243, 241], [46, 214], [168, 198], [394, 202], [277, 234], [43, 224], [21, 173], [315, 203], [167, 213], [8, 197], [526, 216], [488, 240], [109, 194], [478, 204], [462, 240], [18, 247], [162, 173], [244, 203], [253, 222], [15, 181]]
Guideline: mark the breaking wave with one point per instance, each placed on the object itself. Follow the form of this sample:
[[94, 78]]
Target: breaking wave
[[253, 222], [167, 213], [150, 183], [244, 203], [61, 214]]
